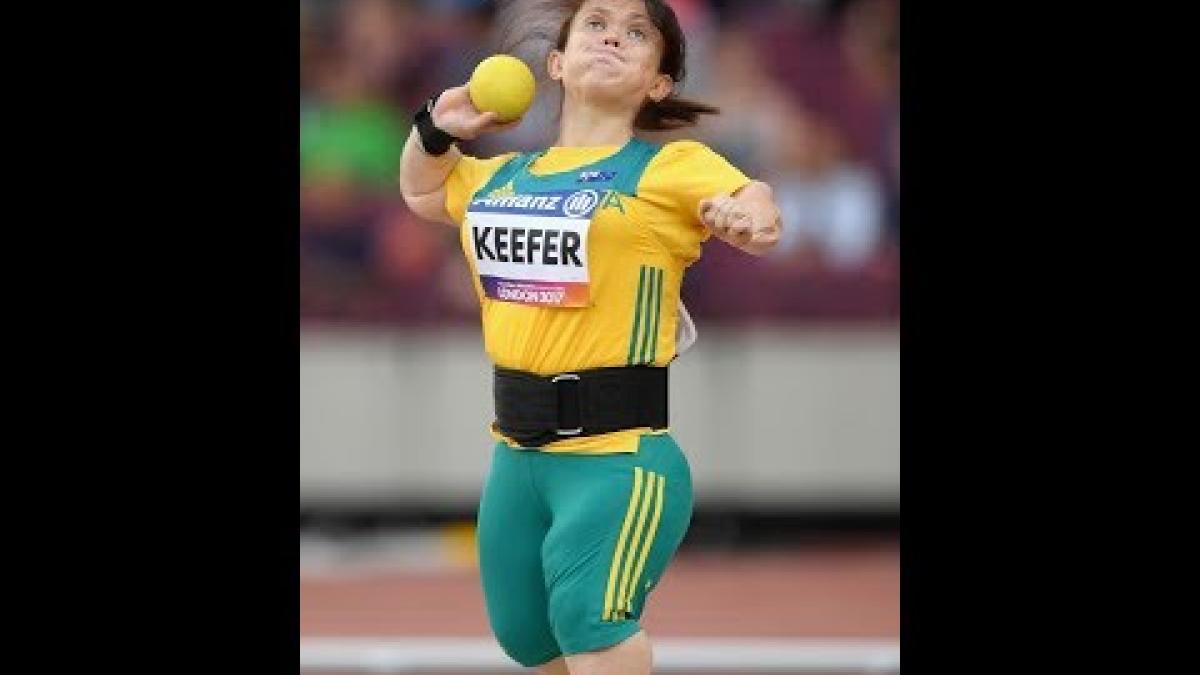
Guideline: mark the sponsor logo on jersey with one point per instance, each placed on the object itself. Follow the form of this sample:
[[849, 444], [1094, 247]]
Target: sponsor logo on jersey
[[529, 202], [581, 204], [596, 176]]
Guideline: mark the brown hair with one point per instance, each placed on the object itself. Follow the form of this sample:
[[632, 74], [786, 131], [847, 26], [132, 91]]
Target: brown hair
[[530, 27]]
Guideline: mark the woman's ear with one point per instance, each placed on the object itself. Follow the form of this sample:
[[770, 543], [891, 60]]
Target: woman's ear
[[662, 88], [554, 64]]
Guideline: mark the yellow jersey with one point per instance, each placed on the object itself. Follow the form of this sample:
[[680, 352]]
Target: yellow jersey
[[620, 306]]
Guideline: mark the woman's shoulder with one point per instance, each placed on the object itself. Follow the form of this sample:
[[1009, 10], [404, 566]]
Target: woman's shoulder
[[683, 152], [484, 165], [683, 147], [684, 155]]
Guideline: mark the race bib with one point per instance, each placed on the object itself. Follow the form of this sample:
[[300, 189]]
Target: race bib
[[531, 248]]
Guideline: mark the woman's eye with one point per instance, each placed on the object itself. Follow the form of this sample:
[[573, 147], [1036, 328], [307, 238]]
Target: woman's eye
[[637, 33], [595, 24]]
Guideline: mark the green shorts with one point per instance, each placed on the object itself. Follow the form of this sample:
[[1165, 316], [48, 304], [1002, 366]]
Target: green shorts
[[570, 545]]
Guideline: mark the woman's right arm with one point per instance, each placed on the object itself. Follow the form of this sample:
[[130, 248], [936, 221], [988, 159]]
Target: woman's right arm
[[423, 176]]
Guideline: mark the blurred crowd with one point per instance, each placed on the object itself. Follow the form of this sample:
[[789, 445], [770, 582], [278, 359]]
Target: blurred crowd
[[809, 91]]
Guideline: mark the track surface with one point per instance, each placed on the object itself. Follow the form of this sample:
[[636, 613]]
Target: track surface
[[849, 591]]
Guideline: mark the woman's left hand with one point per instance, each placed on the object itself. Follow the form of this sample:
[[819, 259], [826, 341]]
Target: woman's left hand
[[727, 218], [747, 219]]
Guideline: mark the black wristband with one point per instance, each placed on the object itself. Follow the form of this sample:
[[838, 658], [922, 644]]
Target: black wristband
[[435, 141]]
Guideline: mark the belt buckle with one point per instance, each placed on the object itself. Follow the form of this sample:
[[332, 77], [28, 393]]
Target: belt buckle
[[555, 380]]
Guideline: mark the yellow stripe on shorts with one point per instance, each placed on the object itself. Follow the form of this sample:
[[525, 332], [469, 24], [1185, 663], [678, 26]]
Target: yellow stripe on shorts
[[621, 539], [637, 535], [637, 574]]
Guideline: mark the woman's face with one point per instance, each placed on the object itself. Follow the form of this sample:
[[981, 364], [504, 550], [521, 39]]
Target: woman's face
[[612, 55]]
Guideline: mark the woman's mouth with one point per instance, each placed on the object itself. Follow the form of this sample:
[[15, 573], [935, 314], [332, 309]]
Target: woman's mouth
[[607, 56]]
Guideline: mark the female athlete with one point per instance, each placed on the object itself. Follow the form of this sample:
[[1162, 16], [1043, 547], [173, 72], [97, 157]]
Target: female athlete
[[578, 253]]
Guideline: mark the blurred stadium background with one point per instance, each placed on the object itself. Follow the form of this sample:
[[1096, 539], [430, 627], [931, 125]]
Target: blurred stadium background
[[788, 406]]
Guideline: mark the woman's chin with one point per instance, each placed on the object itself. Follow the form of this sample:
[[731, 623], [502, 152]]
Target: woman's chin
[[600, 85]]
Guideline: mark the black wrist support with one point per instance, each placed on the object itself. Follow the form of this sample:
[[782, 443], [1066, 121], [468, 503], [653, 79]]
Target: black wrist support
[[435, 141]]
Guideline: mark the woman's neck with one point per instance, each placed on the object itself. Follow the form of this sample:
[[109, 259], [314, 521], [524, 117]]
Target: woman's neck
[[585, 123]]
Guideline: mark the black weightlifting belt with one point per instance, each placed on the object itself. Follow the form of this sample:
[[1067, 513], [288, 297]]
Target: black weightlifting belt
[[534, 410]]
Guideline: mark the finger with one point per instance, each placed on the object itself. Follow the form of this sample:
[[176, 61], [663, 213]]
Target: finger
[[714, 221], [766, 235], [724, 214], [720, 215], [739, 224], [505, 126], [452, 97], [708, 205], [745, 228], [484, 122]]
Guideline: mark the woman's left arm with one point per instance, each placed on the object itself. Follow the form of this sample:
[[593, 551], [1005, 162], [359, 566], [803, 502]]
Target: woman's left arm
[[748, 219]]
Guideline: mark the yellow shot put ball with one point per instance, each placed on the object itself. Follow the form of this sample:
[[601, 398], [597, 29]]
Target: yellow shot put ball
[[502, 84]]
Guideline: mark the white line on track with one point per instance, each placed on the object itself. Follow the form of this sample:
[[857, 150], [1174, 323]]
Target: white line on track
[[399, 655]]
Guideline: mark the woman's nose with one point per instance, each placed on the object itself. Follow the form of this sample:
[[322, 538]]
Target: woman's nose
[[612, 42]]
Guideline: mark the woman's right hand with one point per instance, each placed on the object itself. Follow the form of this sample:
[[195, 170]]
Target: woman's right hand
[[456, 115]]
